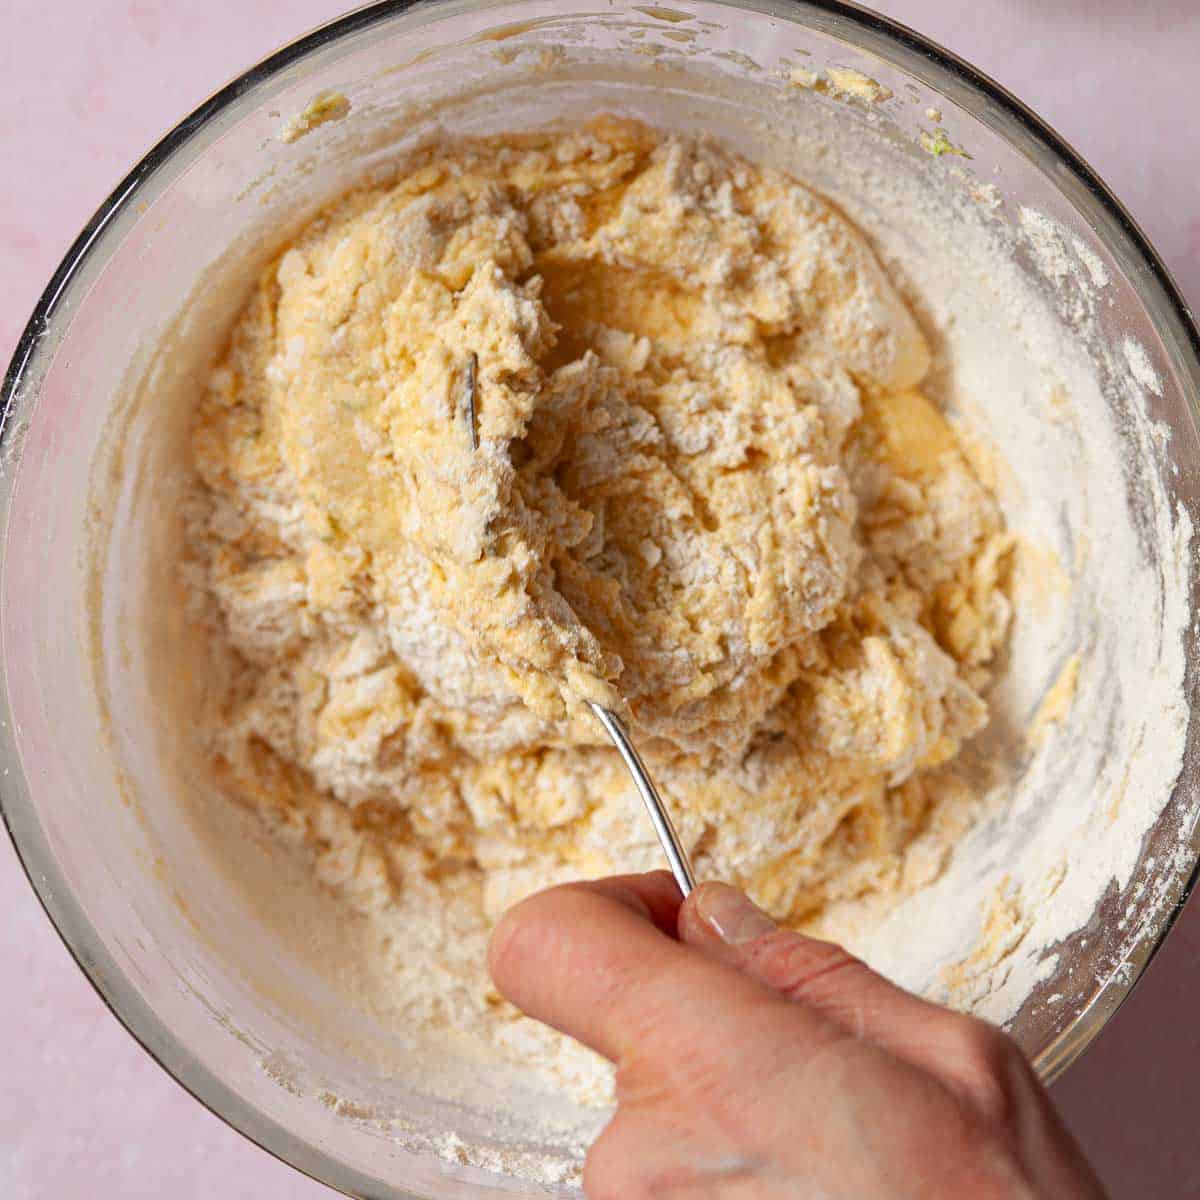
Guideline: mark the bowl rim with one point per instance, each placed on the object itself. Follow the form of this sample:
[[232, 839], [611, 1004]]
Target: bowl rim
[[33, 347]]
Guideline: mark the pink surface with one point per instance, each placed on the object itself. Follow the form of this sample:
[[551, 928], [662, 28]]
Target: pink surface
[[88, 85]]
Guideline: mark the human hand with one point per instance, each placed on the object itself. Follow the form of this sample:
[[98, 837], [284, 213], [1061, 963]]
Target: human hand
[[755, 1064]]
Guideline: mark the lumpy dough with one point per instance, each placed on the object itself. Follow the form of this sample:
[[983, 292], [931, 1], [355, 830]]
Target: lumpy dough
[[697, 483]]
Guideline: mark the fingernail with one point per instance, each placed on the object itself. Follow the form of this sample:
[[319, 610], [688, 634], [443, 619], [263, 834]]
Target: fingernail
[[731, 916]]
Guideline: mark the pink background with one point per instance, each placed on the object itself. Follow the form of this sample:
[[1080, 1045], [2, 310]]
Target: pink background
[[88, 86]]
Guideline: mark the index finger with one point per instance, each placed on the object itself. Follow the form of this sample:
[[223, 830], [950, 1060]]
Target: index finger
[[599, 962]]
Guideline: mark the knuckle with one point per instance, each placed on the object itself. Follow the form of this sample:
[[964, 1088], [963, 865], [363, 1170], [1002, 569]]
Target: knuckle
[[983, 1048], [990, 1067], [992, 1101], [801, 968]]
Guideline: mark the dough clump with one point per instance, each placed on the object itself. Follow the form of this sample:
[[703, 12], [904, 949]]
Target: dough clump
[[694, 480]]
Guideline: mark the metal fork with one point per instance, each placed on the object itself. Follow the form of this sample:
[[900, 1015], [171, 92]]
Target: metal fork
[[677, 857]]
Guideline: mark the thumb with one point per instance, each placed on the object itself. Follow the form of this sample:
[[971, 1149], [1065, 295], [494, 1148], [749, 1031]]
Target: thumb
[[973, 1058], [724, 924]]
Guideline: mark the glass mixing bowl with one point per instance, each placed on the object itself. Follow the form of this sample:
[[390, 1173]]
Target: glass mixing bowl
[[120, 875]]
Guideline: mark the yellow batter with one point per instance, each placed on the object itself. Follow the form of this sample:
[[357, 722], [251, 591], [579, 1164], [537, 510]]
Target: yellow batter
[[705, 491]]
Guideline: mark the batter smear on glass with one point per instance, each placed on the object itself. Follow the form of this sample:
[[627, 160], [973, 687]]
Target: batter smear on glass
[[601, 414]]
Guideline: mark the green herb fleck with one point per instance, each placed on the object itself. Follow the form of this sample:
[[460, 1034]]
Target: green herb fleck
[[938, 143]]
